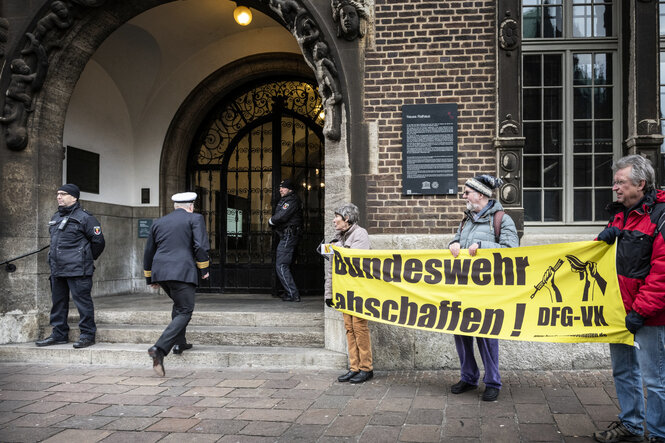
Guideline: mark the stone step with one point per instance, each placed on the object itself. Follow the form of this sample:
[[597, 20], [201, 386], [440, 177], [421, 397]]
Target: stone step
[[204, 356], [208, 318], [307, 337]]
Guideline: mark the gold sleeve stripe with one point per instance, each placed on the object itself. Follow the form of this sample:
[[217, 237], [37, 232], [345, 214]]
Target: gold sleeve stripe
[[202, 264], [147, 273]]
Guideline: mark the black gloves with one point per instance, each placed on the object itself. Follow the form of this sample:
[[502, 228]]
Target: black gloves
[[609, 235], [329, 302], [634, 321]]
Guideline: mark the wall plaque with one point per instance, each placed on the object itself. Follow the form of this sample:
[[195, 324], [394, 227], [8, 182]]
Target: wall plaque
[[144, 227], [429, 149]]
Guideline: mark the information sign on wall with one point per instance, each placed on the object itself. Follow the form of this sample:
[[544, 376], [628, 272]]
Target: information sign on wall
[[144, 227], [429, 149]]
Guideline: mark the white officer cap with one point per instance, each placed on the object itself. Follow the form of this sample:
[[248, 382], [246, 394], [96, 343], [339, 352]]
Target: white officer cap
[[184, 197]]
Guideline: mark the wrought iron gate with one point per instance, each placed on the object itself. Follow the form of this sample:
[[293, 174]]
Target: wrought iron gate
[[263, 133]]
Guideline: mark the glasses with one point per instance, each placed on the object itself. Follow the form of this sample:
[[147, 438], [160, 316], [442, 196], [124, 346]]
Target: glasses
[[619, 182], [465, 193]]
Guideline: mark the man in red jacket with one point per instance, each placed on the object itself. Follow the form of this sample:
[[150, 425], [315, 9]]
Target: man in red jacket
[[637, 223]]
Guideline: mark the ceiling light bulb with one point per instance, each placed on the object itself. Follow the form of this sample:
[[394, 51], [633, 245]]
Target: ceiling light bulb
[[242, 15]]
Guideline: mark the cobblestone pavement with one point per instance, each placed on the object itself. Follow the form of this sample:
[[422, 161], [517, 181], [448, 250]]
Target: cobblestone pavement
[[110, 404]]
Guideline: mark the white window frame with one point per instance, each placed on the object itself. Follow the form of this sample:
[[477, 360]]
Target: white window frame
[[568, 45]]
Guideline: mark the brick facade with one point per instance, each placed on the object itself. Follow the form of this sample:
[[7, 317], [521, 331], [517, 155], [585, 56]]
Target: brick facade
[[429, 52]]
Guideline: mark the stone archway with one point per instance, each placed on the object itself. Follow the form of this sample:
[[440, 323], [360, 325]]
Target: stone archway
[[36, 170]]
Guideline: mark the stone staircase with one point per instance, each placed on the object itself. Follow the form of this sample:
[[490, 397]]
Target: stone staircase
[[225, 332]]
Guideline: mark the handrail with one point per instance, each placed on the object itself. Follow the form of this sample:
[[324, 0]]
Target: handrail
[[10, 267]]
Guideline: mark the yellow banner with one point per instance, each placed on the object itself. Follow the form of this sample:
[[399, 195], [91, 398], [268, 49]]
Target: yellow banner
[[565, 292]]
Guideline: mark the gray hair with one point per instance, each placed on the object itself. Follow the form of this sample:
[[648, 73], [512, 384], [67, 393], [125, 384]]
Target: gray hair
[[642, 170], [349, 212], [182, 205]]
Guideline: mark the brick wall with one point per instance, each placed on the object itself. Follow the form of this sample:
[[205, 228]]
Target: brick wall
[[429, 52]]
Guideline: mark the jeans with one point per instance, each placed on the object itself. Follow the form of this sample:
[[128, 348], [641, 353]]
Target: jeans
[[631, 367], [489, 354]]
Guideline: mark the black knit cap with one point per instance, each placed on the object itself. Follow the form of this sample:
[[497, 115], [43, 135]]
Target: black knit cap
[[71, 189], [288, 184]]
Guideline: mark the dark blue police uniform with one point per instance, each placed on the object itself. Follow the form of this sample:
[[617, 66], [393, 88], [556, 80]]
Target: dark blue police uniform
[[175, 253], [287, 222], [76, 242]]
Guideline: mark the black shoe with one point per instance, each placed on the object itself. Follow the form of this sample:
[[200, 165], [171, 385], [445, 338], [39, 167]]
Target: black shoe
[[179, 349], [84, 343], [287, 298], [362, 377], [50, 340], [490, 394], [157, 360], [461, 386], [348, 376]]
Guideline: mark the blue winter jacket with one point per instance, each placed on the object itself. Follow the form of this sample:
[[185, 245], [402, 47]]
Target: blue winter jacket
[[481, 231]]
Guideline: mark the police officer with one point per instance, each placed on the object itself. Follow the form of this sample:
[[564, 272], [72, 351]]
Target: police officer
[[177, 246], [287, 222], [76, 242]]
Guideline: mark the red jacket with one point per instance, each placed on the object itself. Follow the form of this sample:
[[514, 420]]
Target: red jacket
[[641, 256]]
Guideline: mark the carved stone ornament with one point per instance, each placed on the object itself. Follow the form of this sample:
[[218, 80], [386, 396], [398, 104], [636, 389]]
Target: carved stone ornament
[[510, 162], [509, 127], [28, 71], [509, 34], [316, 51], [347, 14], [648, 127], [509, 194]]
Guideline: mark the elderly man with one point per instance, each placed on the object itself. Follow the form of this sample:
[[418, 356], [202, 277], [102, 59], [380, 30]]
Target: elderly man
[[76, 242], [484, 226], [637, 222], [287, 223], [177, 246]]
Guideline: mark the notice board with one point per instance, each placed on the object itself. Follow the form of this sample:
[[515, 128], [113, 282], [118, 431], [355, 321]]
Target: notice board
[[429, 149]]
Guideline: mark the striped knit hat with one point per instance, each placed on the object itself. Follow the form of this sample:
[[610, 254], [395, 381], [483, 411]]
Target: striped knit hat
[[484, 184]]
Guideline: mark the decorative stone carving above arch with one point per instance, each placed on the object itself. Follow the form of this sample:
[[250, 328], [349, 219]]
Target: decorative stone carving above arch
[[49, 34], [347, 14]]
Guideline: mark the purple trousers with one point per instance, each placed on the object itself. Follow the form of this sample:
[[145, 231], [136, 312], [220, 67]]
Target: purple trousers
[[489, 353]]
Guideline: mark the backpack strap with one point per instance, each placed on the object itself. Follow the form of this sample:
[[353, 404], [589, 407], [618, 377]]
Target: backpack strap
[[497, 217]]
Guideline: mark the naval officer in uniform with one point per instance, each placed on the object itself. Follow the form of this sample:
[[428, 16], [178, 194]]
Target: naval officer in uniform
[[175, 253]]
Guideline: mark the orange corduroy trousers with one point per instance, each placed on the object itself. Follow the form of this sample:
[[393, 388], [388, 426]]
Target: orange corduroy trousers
[[360, 344]]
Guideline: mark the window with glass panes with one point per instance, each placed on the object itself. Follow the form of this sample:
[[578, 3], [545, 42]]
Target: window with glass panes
[[570, 96]]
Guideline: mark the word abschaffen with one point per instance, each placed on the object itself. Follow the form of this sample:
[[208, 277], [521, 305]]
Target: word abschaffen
[[566, 292]]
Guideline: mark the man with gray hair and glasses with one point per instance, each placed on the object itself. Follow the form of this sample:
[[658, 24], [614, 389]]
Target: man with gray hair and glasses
[[636, 223]]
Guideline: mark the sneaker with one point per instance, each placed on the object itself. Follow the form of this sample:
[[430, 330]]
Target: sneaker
[[616, 432]]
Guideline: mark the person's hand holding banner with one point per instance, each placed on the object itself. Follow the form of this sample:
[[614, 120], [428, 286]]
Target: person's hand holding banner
[[634, 321], [609, 235]]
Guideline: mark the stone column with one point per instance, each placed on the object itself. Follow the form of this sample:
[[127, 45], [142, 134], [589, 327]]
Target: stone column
[[640, 79], [509, 141]]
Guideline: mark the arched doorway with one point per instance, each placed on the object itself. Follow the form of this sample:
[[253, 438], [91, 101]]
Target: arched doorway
[[261, 133]]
